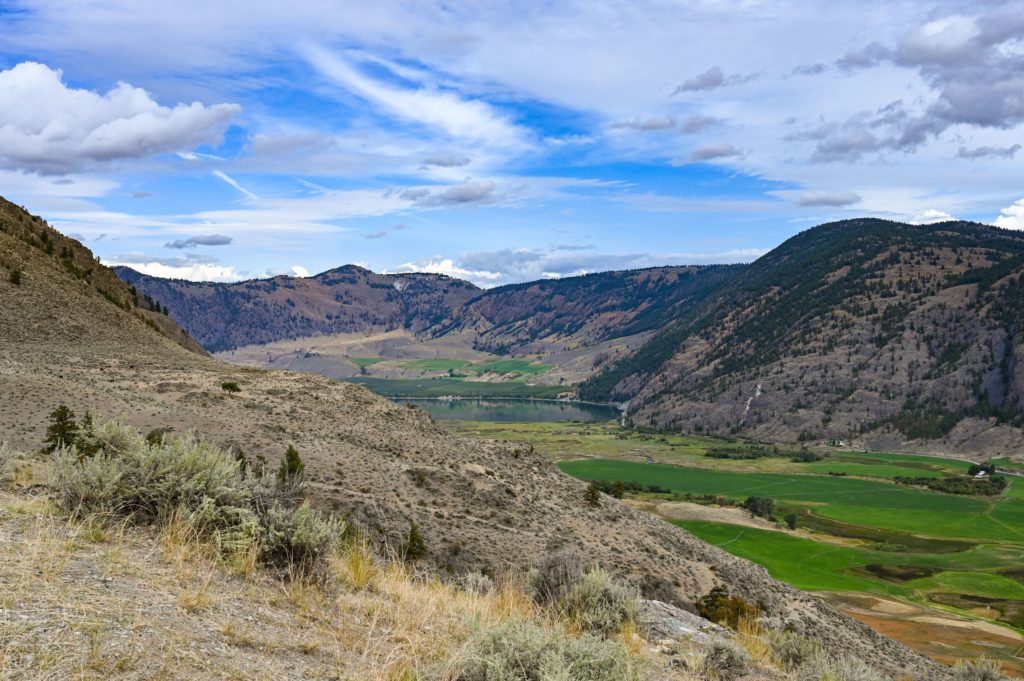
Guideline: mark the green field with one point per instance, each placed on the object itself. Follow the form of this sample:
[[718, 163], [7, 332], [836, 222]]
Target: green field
[[510, 366], [846, 499], [441, 387], [435, 364]]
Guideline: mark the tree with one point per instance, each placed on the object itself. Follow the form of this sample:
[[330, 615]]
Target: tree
[[62, 431], [291, 466], [230, 387], [414, 547], [791, 519], [592, 495], [15, 277], [87, 443], [762, 507]]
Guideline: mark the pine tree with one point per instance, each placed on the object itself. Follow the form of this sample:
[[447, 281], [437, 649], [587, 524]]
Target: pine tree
[[62, 431], [592, 495], [291, 466], [414, 547]]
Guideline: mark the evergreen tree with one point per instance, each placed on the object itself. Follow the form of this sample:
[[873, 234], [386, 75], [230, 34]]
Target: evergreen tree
[[414, 547], [592, 495], [15, 277], [291, 466], [62, 431]]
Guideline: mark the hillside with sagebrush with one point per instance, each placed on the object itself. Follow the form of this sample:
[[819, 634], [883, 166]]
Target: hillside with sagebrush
[[863, 330], [476, 506]]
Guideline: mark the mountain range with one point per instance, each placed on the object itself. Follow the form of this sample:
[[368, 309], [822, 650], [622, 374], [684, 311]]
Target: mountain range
[[887, 334]]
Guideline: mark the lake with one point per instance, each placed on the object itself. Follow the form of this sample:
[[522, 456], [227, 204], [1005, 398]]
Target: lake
[[513, 411]]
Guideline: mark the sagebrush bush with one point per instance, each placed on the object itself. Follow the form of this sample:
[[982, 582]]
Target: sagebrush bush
[[299, 536], [791, 650], [724, 661], [597, 603], [553, 577], [836, 669], [982, 669], [477, 583], [526, 651], [155, 481]]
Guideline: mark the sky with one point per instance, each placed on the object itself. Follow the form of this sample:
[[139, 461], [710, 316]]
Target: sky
[[500, 141]]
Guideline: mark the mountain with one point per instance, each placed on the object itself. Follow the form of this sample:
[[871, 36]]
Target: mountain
[[478, 504], [343, 300], [589, 308], [862, 329]]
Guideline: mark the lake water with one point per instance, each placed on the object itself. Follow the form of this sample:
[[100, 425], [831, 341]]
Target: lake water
[[513, 411]]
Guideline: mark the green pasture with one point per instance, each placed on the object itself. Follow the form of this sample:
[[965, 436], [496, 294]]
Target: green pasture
[[846, 499], [440, 387], [435, 364]]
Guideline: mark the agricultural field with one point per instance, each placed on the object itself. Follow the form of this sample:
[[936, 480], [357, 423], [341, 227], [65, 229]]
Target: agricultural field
[[940, 571], [445, 387]]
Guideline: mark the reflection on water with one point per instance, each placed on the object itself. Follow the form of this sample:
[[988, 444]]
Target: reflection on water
[[513, 411]]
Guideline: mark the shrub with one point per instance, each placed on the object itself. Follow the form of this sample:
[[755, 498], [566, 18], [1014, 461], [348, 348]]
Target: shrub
[[414, 548], [299, 536], [517, 650], [836, 669], [592, 495], [15, 277], [230, 387], [597, 603], [186, 479], [982, 669], [477, 583], [725, 661], [791, 520], [63, 430], [554, 576], [719, 607], [791, 650]]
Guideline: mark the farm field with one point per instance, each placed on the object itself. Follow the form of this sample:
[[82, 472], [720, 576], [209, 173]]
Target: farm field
[[443, 387], [940, 571]]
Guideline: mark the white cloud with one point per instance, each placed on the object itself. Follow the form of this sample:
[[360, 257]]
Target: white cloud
[[443, 110], [440, 265], [192, 272], [1011, 217], [231, 181], [47, 127], [930, 217]]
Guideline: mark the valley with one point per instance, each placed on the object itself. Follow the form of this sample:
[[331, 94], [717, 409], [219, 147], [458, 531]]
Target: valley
[[940, 572]]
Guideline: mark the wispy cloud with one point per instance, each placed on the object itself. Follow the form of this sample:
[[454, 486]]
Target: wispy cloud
[[224, 176]]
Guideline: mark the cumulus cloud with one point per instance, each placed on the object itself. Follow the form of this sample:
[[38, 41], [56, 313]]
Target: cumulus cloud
[[201, 240], [972, 63], [828, 199], [1011, 217], [192, 267], [988, 152], [293, 271], [47, 127], [930, 217]]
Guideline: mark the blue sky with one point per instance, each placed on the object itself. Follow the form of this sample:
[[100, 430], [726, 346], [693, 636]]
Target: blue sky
[[500, 142]]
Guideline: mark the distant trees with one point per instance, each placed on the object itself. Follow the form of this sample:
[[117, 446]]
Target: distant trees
[[592, 495], [230, 387], [791, 520]]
